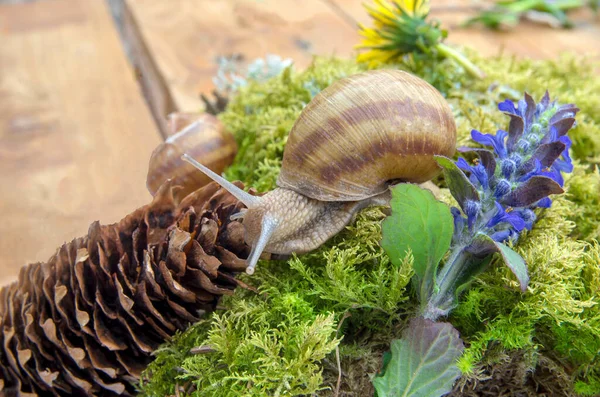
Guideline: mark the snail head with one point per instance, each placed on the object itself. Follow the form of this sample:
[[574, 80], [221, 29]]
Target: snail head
[[259, 223]]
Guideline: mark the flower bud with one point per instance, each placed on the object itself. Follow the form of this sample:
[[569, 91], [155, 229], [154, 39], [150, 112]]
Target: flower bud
[[523, 145], [502, 188], [508, 167], [472, 211], [516, 158]]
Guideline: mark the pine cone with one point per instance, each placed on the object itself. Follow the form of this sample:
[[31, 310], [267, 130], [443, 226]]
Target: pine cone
[[86, 321]]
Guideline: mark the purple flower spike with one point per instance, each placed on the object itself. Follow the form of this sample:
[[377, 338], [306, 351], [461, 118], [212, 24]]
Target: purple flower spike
[[525, 167]]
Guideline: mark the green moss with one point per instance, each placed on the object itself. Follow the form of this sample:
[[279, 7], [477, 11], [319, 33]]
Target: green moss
[[584, 193], [283, 340]]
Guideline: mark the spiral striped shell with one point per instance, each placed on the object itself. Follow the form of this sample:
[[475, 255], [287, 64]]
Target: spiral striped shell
[[364, 132]]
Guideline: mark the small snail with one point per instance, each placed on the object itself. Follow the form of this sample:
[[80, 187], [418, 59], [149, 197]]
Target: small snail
[[202, 136], [351, 142]]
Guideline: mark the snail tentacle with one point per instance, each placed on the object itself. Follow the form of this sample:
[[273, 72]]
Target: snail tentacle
[[246, 198], [268, 226]]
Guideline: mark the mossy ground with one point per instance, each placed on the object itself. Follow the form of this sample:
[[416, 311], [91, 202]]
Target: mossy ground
[[346, 301]]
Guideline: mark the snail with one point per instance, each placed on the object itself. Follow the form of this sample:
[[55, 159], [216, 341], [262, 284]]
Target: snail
[[202, 136], [353, 141]]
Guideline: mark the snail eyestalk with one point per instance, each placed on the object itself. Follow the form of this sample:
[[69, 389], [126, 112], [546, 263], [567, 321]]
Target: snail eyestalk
[[246, 198], [268, 227]]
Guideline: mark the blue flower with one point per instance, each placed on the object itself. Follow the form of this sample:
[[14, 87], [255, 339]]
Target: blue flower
[[496, 141], [513, 218], [479, 176], [535, 145]]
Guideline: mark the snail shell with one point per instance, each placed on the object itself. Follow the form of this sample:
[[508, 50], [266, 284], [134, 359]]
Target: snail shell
[[365, 131], [204, 138]]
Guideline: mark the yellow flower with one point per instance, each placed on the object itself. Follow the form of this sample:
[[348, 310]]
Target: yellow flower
[[392, 33], [399, 27], [386, 12]]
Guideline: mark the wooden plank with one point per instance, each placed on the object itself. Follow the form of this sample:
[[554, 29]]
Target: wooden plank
[[75, 133], [528, 39], [183, 38], [176, 43]]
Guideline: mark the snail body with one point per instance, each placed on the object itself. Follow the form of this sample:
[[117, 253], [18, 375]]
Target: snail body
[[350, 143]]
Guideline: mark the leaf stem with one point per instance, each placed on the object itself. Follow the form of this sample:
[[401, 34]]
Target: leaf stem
[[441, 300], [469, 66]]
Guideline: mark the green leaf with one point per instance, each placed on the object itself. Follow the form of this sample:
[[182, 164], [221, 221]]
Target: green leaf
[[485, 244], [419, 224], [423, 361], [516, 264], [461, 188]]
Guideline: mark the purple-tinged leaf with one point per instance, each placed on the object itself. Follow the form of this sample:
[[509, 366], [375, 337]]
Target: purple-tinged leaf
[[565, 111], [546, 154], [482, 247], [534, 189], [423, 361], [563, 125], [486, 245], [485, 156], [545, 100], [458, 183], [515, 130], [530, 111]]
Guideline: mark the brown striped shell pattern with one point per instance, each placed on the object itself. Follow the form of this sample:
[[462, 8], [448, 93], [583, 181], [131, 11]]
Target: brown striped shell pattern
[[351, 142]]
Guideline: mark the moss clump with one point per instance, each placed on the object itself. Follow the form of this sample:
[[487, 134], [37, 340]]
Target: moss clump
[[283, 340], [584, 193]]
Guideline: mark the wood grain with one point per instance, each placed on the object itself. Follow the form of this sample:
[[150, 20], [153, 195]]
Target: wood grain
[[185, 37], [176, 43], [75, 133]]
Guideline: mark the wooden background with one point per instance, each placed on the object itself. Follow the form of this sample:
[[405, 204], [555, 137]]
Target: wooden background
[[81, 107]]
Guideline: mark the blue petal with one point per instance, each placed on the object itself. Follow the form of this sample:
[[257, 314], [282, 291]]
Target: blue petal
[[463, 165], [507, 106], [522, 108], [496, 141], [502, 216], [546, 202], [481, 175], [528, 217], [503, 235]]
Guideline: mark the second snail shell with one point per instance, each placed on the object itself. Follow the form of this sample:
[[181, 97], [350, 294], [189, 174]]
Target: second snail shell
[[365, 131]]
